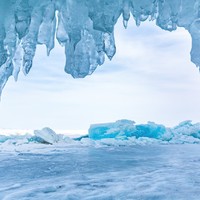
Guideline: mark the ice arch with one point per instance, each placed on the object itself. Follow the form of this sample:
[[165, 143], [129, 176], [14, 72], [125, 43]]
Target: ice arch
[[84, 27]]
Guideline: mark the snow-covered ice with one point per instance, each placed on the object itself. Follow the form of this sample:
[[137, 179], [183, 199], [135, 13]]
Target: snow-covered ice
[[115, 161], [161, 172]]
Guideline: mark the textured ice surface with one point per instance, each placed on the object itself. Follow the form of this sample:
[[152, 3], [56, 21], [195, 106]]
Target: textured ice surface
[[151, 172], [84, 27], [124, 129]]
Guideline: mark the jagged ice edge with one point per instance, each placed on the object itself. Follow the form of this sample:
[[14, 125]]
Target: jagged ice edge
[[84, 27]]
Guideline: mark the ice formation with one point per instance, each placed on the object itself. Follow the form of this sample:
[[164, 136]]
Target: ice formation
[[125, 129], [84, 27], [47, 135], [122, 129], [119, 133]]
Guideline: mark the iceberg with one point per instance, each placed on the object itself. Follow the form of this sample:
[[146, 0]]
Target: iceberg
[[84, 27]]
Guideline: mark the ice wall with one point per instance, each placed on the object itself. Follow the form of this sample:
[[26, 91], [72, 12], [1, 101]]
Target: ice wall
[[84, 27]]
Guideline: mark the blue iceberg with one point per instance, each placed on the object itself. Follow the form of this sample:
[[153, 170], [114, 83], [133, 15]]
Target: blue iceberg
[[125, 129]]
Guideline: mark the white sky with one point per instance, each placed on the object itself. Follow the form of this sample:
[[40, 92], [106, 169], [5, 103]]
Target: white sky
[[150, 78]]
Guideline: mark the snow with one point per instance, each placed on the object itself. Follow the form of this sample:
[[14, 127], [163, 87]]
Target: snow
[[159, 172], [85, 28]]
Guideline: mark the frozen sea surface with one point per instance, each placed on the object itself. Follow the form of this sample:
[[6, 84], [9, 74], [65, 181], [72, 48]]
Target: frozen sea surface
[[139, 172]]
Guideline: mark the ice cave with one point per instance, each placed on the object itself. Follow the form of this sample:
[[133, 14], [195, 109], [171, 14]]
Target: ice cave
[[84, 27], [119, 160]]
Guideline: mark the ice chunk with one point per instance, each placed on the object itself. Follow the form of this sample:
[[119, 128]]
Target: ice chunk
[[3, 138], [119, 133], [188, 129], [84, 27], [119, 129], [185, 132], [47, 135], [151, 130], [123, 129]]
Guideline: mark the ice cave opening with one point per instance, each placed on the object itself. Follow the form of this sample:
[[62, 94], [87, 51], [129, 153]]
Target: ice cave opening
[[85, 28]]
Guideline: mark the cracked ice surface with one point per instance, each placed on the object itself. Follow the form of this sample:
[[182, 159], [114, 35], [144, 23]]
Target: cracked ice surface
[[84, 27], [161, 172]]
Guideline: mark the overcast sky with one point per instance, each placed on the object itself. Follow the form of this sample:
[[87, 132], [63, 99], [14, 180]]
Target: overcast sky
[[150, 78]]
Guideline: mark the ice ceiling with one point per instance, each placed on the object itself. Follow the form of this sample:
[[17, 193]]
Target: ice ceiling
[[84, 27]]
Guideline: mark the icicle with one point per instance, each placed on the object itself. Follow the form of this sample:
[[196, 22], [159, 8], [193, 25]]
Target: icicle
[[84, 27], [110, 48]]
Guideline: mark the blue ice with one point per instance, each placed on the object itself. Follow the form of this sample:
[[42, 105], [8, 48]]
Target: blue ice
[[85, 28], [125, 128]]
